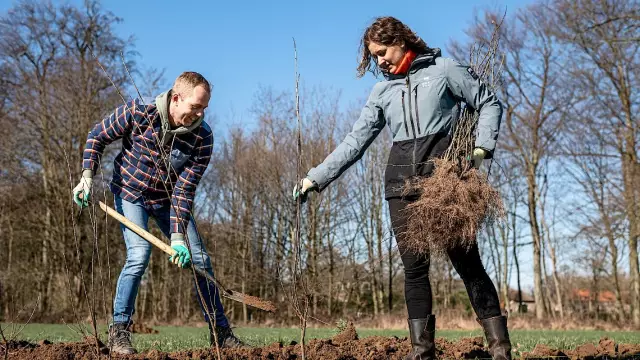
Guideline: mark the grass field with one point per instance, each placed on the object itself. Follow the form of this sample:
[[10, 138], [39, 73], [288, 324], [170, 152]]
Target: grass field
[[172, 338]]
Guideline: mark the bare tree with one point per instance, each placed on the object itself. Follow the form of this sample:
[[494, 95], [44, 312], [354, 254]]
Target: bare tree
[[604, 37], [533, 94], [47, 56]]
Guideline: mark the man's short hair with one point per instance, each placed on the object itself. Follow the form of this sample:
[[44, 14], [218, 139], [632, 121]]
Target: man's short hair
[[188, 80]]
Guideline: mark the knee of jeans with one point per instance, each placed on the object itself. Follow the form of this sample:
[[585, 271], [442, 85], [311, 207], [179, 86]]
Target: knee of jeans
[[201, 259], [137, 262]]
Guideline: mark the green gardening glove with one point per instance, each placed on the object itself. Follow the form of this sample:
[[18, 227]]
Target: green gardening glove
[[182, 258], [82, 191]]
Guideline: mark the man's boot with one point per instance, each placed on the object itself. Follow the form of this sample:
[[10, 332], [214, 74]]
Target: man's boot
[[226, 338], [495, 329], [120, 339], [422, 332]]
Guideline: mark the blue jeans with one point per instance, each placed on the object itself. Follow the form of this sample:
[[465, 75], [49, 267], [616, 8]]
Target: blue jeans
[[138, 253]]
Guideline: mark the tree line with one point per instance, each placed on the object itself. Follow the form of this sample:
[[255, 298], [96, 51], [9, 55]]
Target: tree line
[[566, 166]]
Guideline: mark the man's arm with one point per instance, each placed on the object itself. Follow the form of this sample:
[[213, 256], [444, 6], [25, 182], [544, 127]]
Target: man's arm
[[185, 189], [110, 129], [103, 133]]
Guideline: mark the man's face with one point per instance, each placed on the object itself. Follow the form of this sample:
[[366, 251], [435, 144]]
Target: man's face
[[388, 58], [190, 107]]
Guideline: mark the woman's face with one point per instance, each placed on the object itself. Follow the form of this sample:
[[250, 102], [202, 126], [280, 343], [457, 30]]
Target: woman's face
[[388, 58]]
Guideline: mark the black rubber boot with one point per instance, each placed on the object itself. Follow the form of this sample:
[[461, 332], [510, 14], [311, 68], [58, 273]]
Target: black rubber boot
[[226, 338], [495, 329], [120, 339], [423, 332]]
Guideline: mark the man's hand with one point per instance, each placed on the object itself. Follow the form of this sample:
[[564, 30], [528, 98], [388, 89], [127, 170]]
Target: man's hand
[[182, 258], [82, 191], [301, 190], [478, 156]]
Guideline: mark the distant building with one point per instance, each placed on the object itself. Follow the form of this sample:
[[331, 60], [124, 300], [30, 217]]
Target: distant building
[[585, 300], [527, 301]]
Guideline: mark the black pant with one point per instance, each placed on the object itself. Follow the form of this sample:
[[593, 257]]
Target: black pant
[[417, 289]]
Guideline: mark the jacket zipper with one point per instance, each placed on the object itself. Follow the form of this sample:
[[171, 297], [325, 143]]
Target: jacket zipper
[[413, 128], [404, 114], [417, 112]]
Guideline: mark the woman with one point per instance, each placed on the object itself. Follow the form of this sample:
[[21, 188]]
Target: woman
[[419, 100]]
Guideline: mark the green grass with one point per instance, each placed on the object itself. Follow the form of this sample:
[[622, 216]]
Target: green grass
[[172, 338]]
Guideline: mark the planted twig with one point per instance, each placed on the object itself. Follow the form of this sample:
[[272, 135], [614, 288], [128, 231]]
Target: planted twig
[[5, 343], [14, 333], [297, 243], [90, 299]]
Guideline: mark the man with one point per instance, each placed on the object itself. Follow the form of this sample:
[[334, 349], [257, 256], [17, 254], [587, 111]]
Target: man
[[166, 147]]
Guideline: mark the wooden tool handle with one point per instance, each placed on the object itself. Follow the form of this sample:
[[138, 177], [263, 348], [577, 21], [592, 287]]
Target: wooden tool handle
[[233, 295], [138, 230]]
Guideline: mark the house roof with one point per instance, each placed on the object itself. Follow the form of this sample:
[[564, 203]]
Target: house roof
[[586, 295]]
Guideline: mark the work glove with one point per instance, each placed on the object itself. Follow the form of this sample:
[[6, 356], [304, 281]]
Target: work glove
[[301, 190], [478, 156], [82, 191], [182, 258]]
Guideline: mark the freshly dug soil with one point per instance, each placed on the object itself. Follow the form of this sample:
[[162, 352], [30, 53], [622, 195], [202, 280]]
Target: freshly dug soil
[[344, 346], [605, 349]]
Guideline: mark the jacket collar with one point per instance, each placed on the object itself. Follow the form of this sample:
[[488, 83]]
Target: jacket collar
[[421, 61]]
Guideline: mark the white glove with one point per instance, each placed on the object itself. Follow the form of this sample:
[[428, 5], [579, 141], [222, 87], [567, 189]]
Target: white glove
[[478, 155], [82, 191], [301, 190]]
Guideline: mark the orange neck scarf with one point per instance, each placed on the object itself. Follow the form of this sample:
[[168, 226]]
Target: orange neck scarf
[[407, 59]]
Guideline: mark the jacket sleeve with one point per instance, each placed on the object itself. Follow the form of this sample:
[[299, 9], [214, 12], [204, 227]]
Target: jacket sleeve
[[364, 131], [184, 191], [465, 84], [110, 129]]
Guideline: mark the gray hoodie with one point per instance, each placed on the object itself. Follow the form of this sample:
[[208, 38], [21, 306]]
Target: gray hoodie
[[162, 103], [177, 158]]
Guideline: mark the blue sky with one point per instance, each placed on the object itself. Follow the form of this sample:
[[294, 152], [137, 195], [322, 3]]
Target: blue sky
[[240, 46]]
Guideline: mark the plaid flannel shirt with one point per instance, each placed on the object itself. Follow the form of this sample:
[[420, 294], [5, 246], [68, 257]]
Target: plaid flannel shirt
[[139, 170]]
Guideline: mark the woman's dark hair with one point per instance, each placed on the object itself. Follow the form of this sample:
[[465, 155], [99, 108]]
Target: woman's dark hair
[[387, 31]]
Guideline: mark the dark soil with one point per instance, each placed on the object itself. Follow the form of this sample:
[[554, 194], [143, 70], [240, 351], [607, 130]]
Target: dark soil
[[605, 349], [344, 346]]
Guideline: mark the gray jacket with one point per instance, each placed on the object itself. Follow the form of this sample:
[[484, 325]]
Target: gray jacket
[[420, 109]]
